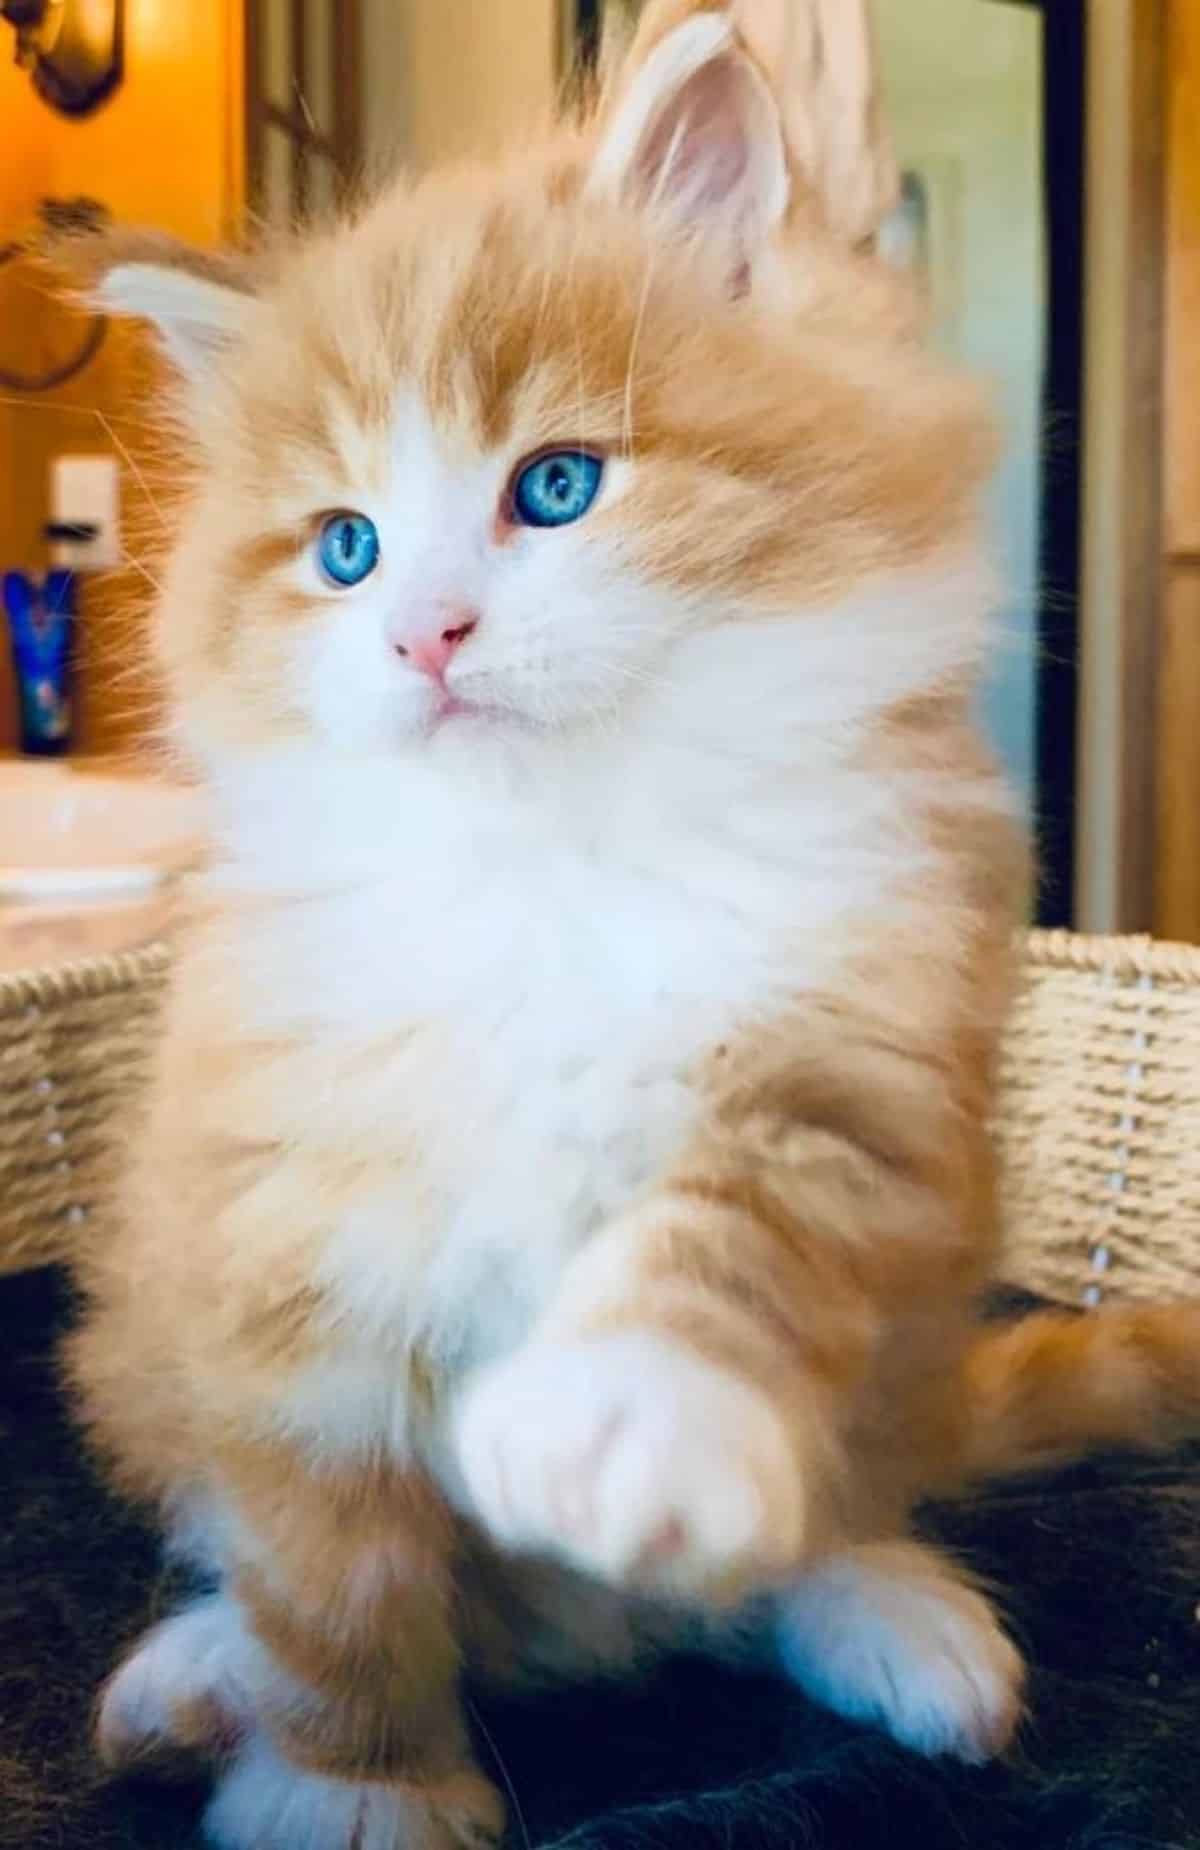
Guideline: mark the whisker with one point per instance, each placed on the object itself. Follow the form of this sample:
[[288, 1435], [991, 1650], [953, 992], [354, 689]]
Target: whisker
[[572, 297], [305, 111], [118, 443], [22, 403], [631, 364], [131, 559], [518, 1814], [134, 469]]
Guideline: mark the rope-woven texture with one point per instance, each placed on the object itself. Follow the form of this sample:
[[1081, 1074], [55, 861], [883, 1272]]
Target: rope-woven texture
[[1100, 1120], [74, 1042]]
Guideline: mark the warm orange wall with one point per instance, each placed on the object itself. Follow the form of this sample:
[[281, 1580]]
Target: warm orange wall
[[165, 150]]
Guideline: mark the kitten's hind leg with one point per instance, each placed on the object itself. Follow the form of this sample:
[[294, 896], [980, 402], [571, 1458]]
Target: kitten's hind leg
[[196, 1687], [322, 1678], [892, 1633]]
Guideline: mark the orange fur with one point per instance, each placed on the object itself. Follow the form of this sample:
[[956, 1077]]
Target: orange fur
[[396, 1437], [1053, 1387]]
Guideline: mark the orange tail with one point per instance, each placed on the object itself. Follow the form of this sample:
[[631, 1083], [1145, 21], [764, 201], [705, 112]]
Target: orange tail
[[1055, 1386]]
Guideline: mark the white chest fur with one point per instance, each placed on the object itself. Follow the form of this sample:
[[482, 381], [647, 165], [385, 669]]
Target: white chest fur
[[542, 948], [542, 989]]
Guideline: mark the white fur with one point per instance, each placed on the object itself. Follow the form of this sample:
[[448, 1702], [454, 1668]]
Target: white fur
[[201, 1658], [265, 1803], [196, 317], [635, 1462], [890, 1634]]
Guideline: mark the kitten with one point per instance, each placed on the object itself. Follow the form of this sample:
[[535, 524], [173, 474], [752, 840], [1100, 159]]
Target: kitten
[[565, 1182]]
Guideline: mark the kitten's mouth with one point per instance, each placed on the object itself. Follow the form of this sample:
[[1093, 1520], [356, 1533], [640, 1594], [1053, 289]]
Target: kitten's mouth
[[448, 708]]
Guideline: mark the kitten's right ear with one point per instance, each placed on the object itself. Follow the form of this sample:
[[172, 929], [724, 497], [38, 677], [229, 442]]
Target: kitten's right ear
[[199, 301], [693, 134]]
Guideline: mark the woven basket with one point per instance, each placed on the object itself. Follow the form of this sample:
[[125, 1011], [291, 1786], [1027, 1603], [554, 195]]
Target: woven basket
[[73, 1044], [1100, 1114], [1100, 1120]]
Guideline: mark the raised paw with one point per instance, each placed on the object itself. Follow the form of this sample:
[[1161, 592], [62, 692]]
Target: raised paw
[[635, 1461], [265, 1803], [181, 1690]]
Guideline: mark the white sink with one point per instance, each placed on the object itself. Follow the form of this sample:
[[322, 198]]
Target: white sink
[[70, 836]]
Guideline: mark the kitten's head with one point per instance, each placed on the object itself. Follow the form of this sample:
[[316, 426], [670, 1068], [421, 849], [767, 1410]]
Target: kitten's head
[[520, 446]]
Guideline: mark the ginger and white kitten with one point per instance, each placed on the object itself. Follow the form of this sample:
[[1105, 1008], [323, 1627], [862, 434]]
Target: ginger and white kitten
[[565, 1181]]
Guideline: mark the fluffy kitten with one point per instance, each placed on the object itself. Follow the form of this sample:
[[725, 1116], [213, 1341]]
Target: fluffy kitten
[[565, 1182]]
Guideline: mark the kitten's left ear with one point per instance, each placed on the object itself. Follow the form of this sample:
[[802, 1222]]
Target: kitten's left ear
[[695, 136], [200, 302]]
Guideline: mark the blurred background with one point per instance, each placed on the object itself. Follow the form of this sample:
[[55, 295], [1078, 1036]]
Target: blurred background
[[1050, 163]]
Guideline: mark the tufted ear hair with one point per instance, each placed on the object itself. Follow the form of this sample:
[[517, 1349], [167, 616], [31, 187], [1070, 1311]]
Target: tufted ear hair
[[200, 302], [694, 136], [820, 62]]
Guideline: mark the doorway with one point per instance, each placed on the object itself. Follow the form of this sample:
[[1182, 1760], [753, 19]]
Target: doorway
[[986, 101]]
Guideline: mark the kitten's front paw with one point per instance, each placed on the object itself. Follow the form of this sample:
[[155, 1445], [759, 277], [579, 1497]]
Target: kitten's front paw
[[265, 1803], [637, 1462]]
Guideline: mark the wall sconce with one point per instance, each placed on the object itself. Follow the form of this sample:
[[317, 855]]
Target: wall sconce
[[72, 48]]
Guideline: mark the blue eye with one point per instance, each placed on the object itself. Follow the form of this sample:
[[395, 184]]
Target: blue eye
[[556, 489], [348, 548]]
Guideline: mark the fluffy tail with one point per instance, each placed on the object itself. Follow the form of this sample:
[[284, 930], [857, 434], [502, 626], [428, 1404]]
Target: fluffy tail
[[1055, 1386]]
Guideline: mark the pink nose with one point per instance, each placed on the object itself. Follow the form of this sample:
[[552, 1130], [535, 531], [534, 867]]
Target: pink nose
[[430, 650]]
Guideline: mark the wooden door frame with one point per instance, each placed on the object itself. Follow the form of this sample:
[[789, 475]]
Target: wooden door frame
[[1177, 742], [1141, 589], [1121, 532], [342, 143], [1143, 385]]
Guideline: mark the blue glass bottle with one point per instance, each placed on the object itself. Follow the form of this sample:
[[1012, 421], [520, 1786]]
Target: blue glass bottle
[[41, 624]]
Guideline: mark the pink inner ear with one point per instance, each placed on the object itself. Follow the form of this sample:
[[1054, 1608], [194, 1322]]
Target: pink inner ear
[[699, 150]]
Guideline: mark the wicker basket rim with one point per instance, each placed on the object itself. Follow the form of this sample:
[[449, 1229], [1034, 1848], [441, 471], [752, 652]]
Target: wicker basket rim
[[1127, 959], [91, 976]]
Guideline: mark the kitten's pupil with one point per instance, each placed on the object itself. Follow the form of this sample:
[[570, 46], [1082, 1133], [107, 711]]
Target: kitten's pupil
[[347, 548]]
